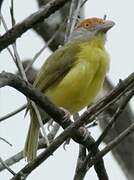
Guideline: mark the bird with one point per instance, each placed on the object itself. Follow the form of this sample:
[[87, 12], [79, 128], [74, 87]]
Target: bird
[[72, 76]]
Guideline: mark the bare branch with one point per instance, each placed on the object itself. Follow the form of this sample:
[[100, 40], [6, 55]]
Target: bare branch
[[12, 160], [13, 113], [125, 100], [44, 47], [112, 145], [73, 15], [1, 4], [79, 175], [58, 114], [48, 27], [23, 74], [20, 28], [51, 109], [6, 28], [3, 139], [83, 3], [125, 119], [12, 13], [43, 156], [6, 167], [17, 157]]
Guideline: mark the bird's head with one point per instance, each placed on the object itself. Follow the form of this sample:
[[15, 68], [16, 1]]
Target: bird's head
[[88, 28]]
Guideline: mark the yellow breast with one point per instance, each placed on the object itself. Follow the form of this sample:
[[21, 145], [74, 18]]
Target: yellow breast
[[82, 83]]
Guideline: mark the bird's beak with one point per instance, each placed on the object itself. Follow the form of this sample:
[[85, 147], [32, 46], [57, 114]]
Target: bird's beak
[[105, 26]]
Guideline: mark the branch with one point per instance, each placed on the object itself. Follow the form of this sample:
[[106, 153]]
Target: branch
[[29, 65], [1, 4], [99, 166], [22, 71], [20, 28], [17, 157], [12, 160], [83, 3], [79, 175], [85, 166], [72, 18], [47, 28], [13, 113], [7, 142], [122, 105], [126, 163], [6, 167], [58, 114], [111, 145]]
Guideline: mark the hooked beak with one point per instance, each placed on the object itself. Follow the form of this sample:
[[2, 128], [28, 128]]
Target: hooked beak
[[105, 26]]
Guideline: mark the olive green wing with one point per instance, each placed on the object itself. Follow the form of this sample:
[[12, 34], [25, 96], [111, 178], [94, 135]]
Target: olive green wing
[[56, 66]]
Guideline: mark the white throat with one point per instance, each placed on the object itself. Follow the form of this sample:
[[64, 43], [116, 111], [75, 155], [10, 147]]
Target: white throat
[[82, 35]]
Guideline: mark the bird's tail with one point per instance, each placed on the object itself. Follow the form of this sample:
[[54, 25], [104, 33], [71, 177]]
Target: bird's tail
[[31, 143]]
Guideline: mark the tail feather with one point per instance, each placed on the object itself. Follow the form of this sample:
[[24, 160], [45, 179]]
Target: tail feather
[[31, 144]]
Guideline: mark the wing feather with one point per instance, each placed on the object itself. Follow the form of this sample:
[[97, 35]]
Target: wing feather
[[56, 66]]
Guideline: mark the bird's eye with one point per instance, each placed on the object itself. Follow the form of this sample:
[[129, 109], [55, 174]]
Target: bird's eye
[[86, 24]]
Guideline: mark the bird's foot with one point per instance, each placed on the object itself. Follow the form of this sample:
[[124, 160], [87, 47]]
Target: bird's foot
[[50, 124], [66, 143], [67, 114], [66, 118]]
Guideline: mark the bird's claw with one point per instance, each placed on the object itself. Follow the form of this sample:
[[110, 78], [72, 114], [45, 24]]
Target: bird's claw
[[66, 143], [67, 114], [50, 124]]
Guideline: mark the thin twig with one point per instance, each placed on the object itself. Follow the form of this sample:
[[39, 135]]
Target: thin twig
[[3, 139], [23, 74], [111, 145], [83, 3], [12, 160], [12, 13], [21, 70], [3, 22], [125, 99], [27, 68], [79, 175], [6, 28], [69, 21], [6, 167], [44, 47], [17, 157], [73, 15], [39, 16], [1, 1], [129, 87], [13, 113]]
